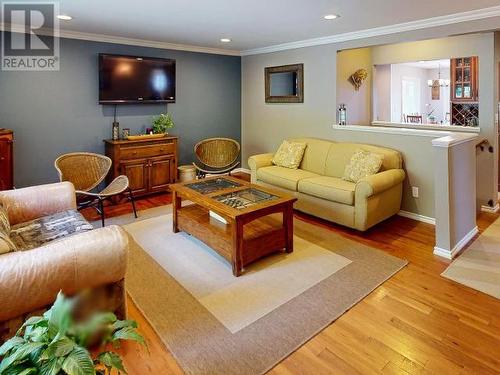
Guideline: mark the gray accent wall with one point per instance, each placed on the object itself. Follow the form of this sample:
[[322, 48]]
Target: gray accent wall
[[52, 113]]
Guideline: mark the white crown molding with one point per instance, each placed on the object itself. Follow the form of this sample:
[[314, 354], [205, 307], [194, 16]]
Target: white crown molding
[[472, 15], [450, 254], [127, 41]]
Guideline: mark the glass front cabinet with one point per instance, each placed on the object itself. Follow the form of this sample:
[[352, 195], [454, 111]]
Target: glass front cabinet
[[464, 79]]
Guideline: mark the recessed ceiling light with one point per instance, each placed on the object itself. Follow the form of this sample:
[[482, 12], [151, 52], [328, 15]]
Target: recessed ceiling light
[[330, 16], [64, 17], [225, 40]]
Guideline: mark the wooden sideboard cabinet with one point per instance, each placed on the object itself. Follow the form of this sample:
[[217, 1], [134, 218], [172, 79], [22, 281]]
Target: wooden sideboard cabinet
[[150, 165], [6, 159]]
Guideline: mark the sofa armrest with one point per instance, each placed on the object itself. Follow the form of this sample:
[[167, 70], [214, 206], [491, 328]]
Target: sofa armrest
[[377, 183], [36, 201], [259, 161], [31, 279]]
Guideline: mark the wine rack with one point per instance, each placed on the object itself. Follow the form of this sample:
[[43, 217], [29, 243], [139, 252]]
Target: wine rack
[[465, 114]]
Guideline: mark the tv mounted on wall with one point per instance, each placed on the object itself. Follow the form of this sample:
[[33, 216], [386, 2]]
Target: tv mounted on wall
[[134, 79]]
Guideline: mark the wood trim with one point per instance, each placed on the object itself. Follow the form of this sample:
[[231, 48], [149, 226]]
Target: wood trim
[[450, 254], [414, 216]]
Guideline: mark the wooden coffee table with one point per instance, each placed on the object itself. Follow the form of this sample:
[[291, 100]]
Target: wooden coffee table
[[250, 233]]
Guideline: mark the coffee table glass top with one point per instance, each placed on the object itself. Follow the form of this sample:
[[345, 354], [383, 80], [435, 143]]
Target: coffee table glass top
[[245, 198], [211, 186]]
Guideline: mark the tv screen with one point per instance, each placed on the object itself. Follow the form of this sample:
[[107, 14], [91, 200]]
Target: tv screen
[[133, 79]]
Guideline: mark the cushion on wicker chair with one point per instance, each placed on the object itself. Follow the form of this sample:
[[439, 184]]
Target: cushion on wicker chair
[[38, 232]]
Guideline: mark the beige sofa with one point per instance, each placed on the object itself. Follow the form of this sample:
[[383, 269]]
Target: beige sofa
[[322, 192], [31, 278]]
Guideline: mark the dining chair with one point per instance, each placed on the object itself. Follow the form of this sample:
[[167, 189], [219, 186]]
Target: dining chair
[[86, 171], [414, 119]]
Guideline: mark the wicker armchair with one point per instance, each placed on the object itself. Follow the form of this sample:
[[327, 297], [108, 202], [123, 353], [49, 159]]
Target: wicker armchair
[[86, 171], [216, 156]]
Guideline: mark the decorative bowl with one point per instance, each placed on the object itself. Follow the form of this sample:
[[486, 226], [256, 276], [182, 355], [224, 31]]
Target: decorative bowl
[[146, 136]]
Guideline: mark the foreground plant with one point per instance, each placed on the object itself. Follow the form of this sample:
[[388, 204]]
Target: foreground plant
[[54, 344]]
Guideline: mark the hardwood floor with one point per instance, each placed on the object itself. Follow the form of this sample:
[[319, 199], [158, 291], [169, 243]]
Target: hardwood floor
[[416, 322]]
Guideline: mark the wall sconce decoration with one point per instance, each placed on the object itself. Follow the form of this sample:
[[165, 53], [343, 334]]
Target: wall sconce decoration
[[358, 77]]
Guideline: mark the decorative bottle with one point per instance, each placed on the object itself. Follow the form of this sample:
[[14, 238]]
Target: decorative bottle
[[342, 115], [116, 131]]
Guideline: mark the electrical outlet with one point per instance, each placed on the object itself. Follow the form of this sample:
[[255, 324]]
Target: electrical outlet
[[414, 191]]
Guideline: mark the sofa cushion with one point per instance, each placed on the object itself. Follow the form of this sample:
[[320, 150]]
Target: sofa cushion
[[314, 159], [38, 232], [283, 177], [289, 154], [330, 188]]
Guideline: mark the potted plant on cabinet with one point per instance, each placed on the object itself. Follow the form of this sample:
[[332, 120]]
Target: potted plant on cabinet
[[162, 123]]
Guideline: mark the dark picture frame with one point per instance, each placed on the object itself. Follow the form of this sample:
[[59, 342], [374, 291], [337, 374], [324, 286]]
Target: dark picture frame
[[297, 70]]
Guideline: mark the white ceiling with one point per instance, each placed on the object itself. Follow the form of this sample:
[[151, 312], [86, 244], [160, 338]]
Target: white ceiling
[[250, 24]]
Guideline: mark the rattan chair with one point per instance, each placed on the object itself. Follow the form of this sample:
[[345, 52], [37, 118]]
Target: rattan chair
[[216, 156], [86, 171]]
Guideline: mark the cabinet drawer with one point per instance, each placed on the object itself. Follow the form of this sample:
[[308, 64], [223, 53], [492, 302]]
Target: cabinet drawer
[[146, 151]]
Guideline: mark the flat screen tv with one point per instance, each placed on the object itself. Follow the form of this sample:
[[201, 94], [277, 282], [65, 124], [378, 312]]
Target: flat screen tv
[[134, 79]]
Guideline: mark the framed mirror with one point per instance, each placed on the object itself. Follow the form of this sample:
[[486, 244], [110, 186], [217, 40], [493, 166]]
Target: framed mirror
[[285, 84]]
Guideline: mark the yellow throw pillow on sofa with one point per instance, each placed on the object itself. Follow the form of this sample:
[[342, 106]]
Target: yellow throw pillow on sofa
[[362, 164], [289, 154]]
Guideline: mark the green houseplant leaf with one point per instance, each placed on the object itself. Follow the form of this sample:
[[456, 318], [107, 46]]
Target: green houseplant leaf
[[78, 362], [119, 324], [20, 369], [10, 344], [59, 316], [20, 353], [54, 344], [162, 123], [128, 333], [52, 366], [58, 348], [111, 360]]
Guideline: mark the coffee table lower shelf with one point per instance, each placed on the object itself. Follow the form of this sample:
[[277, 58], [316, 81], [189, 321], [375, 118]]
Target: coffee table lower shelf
[[239, 244]]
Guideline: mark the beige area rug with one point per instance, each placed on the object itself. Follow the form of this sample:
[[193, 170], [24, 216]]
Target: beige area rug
[[129, 218], [478, 266], [214, 323]]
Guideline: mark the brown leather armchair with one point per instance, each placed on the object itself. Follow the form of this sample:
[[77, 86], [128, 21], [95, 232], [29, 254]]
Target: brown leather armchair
[[30, 279]]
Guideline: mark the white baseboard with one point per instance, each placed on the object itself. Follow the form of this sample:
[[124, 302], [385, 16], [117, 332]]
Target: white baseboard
[[450, 254], [414, 216], [489, 209], [242, 170]]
